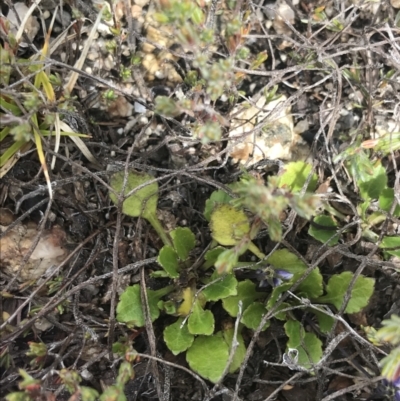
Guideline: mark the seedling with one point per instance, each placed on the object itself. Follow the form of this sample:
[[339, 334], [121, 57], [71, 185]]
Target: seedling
[[142, 202], [232, 231]]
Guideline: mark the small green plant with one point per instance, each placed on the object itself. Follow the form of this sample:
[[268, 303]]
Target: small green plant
[[32, 390], [211, 78], [144, 200], [233, 231], [22, 122], [371, 179]]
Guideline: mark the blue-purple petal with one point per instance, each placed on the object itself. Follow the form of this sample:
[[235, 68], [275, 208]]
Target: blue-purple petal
[[283, 274]]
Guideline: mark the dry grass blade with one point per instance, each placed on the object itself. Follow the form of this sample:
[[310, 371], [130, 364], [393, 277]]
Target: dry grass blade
[[69, 86], [10, 161], [79, 143], [21, 29]]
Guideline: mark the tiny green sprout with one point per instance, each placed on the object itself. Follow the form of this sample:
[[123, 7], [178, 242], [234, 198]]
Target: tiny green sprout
[[107, 15], [55, 79], [31, 101], [142, 202], [70, 379], [125, 73], [191, 78], [109, 95], [111, 45], [208, 132], [115, 31], [22, 132], [38, 351], [243, 53], [136, 60], [76, 14]]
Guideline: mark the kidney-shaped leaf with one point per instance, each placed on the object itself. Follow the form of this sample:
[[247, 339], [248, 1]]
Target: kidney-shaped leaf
[[253, 314], [224, 287], [240, 351], [208, 356], [141, 203], [130, 308], [325, 230], [228, 225], [391, 242], [246, 292], [201, 321], [295, 176], [177, 338], [338, 285], [183, 240], [311, 353], [216, 198], [168, 259], [373, 185]]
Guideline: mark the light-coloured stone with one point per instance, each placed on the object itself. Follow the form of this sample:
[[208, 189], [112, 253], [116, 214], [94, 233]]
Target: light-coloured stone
[[141, 3], [265, 131], [50, 250], [283, 13]]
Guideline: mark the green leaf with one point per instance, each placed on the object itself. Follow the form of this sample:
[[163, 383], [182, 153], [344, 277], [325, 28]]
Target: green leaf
[[183, 240], [274, 229], [286, 260], [246, 292], [113, 392], [297, 337], [217, 197], [337, 287], [226, 261], [311, 287], [185, 306], [391, 242], [130, 309], [18, 396], [281, 312], [211, 256], [225, 287], [253, 314], [240, 352], [177, 338], [208, 356], [325, 322], [228, 225], [373, 185], [201, 321], [166, 106], [276, 294], [141, 203], [168, 259], [295, 177], [386, 199], [321, 234], [198, 16], [88, 393]]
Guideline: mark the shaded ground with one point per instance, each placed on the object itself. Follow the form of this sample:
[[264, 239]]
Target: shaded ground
[[351, 88]]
